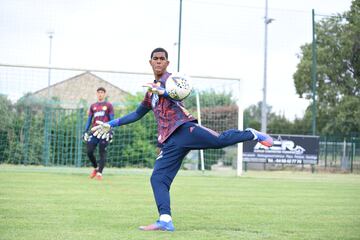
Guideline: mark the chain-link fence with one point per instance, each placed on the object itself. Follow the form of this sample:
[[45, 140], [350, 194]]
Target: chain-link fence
[[43, 123], [43, 129], [340, 153]]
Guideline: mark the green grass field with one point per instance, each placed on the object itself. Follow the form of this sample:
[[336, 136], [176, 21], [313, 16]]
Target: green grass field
[[63, 203]]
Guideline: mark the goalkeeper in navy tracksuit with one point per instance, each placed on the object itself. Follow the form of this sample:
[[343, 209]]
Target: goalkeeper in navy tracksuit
[[178, 133], [99, 111]]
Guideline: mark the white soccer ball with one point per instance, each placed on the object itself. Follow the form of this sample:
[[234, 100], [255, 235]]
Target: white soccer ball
[[178, 86]]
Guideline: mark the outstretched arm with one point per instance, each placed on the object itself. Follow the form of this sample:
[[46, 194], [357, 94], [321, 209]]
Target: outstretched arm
[[102, 130], [131, 117]]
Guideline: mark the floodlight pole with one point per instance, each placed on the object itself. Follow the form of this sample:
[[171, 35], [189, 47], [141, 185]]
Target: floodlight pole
[[179, 40], [263, 105], [46, 146], [313, 73], [51, 34]]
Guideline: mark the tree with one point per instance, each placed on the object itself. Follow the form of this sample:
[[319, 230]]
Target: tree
[[210, 98], [6, 113], [276, 123], [338, 75], [7, 116]]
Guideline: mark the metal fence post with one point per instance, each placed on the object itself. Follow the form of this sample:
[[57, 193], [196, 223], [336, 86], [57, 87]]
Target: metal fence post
[[352, 154], [326, 150]]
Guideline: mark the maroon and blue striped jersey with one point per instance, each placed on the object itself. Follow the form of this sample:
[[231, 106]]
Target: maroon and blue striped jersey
[[169, 114], [101, 111]]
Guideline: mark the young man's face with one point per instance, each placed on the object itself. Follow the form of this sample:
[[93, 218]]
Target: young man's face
[[159, 63], [100, 95]]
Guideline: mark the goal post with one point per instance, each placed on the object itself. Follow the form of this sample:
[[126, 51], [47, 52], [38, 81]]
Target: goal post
[[239, 160]]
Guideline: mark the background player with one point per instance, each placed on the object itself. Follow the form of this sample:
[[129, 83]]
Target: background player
[[99, 111], [178, 133]]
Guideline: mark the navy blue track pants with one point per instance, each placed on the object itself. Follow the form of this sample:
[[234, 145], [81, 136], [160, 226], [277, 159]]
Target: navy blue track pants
[[189, 136], [91, 145]]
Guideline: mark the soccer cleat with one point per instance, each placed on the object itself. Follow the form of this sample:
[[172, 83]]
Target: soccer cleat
[[159, 226], [93, 173], [262, 138], [98, 176]]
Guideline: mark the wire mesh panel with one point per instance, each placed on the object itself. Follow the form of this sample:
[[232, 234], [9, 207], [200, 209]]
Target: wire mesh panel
[[340, 153], [50, 120], [47, 129]]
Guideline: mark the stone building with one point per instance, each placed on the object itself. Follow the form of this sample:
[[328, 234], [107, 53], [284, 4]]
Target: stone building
[[81, 89]]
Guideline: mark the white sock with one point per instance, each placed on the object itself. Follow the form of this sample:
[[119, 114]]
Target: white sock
[[99, 174], [165, 218]]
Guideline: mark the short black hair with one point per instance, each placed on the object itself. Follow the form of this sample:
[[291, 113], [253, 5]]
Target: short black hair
[[101, 89], [159, 50]]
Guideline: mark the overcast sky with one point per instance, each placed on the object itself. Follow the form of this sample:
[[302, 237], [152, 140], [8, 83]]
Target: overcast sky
[[219, 38]]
